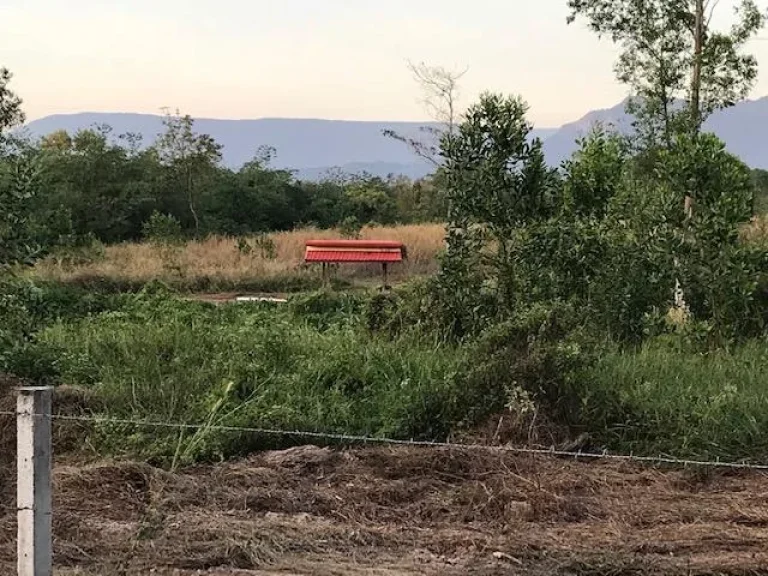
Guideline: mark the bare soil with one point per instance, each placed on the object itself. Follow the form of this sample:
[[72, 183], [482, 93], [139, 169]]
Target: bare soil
[[387, 512]]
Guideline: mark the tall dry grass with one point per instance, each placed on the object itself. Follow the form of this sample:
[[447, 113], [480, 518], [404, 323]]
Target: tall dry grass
[[756, 232], [217, 261]]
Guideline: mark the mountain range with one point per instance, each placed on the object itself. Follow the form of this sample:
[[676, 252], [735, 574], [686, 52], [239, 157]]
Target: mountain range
[[315, 147]]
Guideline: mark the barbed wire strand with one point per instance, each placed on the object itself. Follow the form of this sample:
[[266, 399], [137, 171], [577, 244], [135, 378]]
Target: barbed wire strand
[[383, 441]]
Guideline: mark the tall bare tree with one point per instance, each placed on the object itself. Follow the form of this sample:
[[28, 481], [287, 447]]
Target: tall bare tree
[[440, 94]]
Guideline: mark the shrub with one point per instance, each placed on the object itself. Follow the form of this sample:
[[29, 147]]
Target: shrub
[[540, 350], [162, 229]]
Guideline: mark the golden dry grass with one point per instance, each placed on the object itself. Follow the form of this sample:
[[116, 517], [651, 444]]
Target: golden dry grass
[[217, 261], [756, 232]]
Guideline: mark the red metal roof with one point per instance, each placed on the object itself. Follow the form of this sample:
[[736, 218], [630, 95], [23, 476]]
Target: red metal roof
[[349, 256], [354, 251], [354, 244]]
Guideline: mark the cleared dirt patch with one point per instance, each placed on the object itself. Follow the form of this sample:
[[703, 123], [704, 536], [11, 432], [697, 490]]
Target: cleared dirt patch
[[383, 511]]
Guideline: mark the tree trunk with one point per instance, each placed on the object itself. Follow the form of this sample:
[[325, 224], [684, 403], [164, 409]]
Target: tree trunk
[[191, 201], [698, 49]]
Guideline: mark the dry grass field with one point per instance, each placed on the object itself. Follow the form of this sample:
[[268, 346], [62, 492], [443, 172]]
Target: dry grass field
[[218, 262], [757, 230]]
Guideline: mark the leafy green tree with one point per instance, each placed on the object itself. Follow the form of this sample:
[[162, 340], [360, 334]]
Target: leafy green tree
[[370, 199], [326, 203], [670, 52], [103, 188], [497, 182], [594, 174], [255, 199], [11, 113], [190, 158], [19, 180], [19, 183]]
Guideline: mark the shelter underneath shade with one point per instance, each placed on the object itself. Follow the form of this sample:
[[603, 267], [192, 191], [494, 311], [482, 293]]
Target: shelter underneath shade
[[382, 252], [336, 251]]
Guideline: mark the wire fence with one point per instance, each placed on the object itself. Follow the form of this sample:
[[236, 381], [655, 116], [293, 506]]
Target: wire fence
[[356, 439]]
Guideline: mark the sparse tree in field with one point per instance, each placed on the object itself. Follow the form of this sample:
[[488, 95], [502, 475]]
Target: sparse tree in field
[[192, 158], [440, 88]]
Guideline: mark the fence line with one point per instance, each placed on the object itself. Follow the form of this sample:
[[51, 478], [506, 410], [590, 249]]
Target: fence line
[[383, 441]]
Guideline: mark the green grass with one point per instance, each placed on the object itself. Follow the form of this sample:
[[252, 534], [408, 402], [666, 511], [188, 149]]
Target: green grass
[[663, 399], [307, 366], [320, 364]]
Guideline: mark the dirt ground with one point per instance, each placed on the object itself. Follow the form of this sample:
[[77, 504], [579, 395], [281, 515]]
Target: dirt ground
[[388, 512]]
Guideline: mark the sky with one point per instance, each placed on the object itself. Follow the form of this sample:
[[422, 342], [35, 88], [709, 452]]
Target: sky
[[336, 59]]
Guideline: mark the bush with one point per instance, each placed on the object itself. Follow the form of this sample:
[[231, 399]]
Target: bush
[[541, 351], [26, 308], [162, 229]]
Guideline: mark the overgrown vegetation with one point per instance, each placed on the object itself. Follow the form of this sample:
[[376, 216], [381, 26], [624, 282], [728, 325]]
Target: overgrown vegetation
[[621, 298]]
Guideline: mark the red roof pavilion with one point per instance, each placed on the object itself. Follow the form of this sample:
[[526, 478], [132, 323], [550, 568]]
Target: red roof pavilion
[[334, 251]]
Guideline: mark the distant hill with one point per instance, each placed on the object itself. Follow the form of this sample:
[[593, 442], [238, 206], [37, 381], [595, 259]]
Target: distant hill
[[743, 128], [310, 147], [314, 147]]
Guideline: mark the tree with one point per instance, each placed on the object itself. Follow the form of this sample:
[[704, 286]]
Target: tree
[[594, 174], [497, 181], [19, 177], [670, 53], [10, 104], [191, 157], [440, 88]]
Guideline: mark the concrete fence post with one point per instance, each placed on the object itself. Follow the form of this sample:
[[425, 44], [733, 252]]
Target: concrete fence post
[[33, 420]]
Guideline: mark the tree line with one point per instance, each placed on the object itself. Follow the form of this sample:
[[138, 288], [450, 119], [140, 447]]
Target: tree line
[[94, 184]]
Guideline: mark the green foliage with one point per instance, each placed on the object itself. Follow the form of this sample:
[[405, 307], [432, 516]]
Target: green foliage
[[497, 181], [10, 104], [305, 366], [190, 158], [664, 399], [659, 62], [719, 183], [325, 309], [592, 177], [495, 176], [25, 309], [97, 184], [369, 199], [162, 229], [19, 183], [350, 227], [541, 350]]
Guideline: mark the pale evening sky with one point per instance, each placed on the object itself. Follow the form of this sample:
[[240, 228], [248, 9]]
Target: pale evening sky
[[340, 59]]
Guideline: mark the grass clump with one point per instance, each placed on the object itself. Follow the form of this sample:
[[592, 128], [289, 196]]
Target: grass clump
[[306, 366], [664, 398]]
